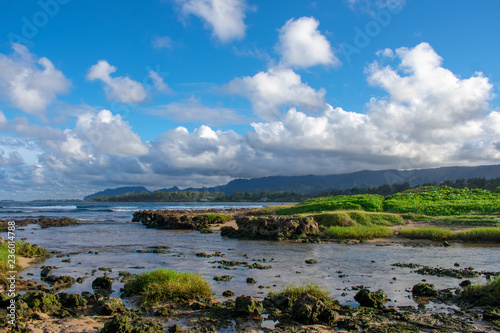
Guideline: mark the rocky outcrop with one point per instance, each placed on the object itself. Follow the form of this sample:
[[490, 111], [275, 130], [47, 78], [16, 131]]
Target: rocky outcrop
[[184, 219], [307, 309], [370, 299], [272, 228], [42, 222]]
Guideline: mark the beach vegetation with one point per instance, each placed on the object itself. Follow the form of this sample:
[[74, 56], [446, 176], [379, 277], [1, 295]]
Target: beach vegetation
[[359, 232], [435, 234], [488, 294], [294, 291], [363, 202], [163, 285], [480, 235], [350, 218]]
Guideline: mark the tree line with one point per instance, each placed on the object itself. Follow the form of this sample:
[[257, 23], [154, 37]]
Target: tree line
[[492, 185]]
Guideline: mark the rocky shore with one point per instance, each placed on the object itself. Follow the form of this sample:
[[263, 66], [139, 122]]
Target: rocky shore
[[43, 309], [42, 222]]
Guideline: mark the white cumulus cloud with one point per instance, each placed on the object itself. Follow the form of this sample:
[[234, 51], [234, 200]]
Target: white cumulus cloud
[[122, 89], [30, 83], [278, 87], [224, 17], [301, 44]]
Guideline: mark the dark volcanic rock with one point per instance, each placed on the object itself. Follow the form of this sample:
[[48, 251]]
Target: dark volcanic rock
[[247, 305], [371, 299], [272, 228], [103, 283], [424, 290], [307, 309], [181, 219]]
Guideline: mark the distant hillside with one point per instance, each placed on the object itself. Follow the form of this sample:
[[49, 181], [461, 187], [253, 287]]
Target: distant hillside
[[118, 191], [317, 184], [361, 179]]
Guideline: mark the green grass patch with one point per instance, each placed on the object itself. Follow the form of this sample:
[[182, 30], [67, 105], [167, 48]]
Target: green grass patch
[[217, 218], [464, 220], [364, 202], [269, 210], [294, 292], [22, 249], [164, 285], [359, 232], [436, 234], [489, 293], [351, 218], [480, 235], [443, 201]]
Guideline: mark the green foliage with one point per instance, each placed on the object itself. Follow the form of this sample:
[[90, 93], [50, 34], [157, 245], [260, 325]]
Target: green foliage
[[465, 220], [351, 218], [294, 292], [489, 293], [197, 196], [359, 232], [217, 218], [436, 234], [22, 249], [167, 285], [443, 201], [366, 202], [480, 235], [497, 190]]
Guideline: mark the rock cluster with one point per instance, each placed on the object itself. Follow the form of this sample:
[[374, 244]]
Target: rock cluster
[[178, 219], [272, 228]]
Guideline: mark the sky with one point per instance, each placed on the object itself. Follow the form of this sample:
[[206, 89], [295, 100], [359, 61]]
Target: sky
[[192, 93]]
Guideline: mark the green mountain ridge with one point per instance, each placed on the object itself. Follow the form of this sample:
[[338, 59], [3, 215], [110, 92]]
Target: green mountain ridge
[[312, 184]]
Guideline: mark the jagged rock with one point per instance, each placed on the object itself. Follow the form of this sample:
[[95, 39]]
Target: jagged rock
[[71, 300], [272, 228], [247, 305], [251, 280], [110, 306], [103, 283], [307, 309], [371, 299], [424, 290]]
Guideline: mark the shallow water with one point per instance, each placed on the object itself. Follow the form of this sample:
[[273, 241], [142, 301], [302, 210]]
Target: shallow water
[[340, 266]]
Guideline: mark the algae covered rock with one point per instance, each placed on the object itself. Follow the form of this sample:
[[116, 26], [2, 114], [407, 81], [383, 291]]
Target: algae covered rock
[[247, 305], [42, 301], [71, 300], [370, 299], [102, 283], [109, 306], [121, 324], [424, 290], [308, 309]]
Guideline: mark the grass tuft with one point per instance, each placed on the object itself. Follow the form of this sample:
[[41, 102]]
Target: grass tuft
[[163, 285], [436, 234], [22, 249], [488, 294], [358, 232], [294, 292], [480, 235]]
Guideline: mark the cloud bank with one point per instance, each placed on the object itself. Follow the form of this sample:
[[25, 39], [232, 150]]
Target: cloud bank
[[427, 117]]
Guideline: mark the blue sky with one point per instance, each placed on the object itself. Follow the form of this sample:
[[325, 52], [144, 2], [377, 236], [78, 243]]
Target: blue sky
[[100, 94]]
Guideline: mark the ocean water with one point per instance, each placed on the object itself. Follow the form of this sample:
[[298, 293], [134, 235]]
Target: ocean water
[[106, 228]]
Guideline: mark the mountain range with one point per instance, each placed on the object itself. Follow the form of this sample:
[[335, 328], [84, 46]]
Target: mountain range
[[311, 184]]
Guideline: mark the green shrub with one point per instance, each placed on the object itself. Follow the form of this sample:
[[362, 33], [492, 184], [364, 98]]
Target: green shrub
[[436, 234], [358, 232], [443, 201], [488, 294], [22, 249], [216, 218], [480, 235], [366, 202], [334, 219], [167, 285], [351, 218]]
